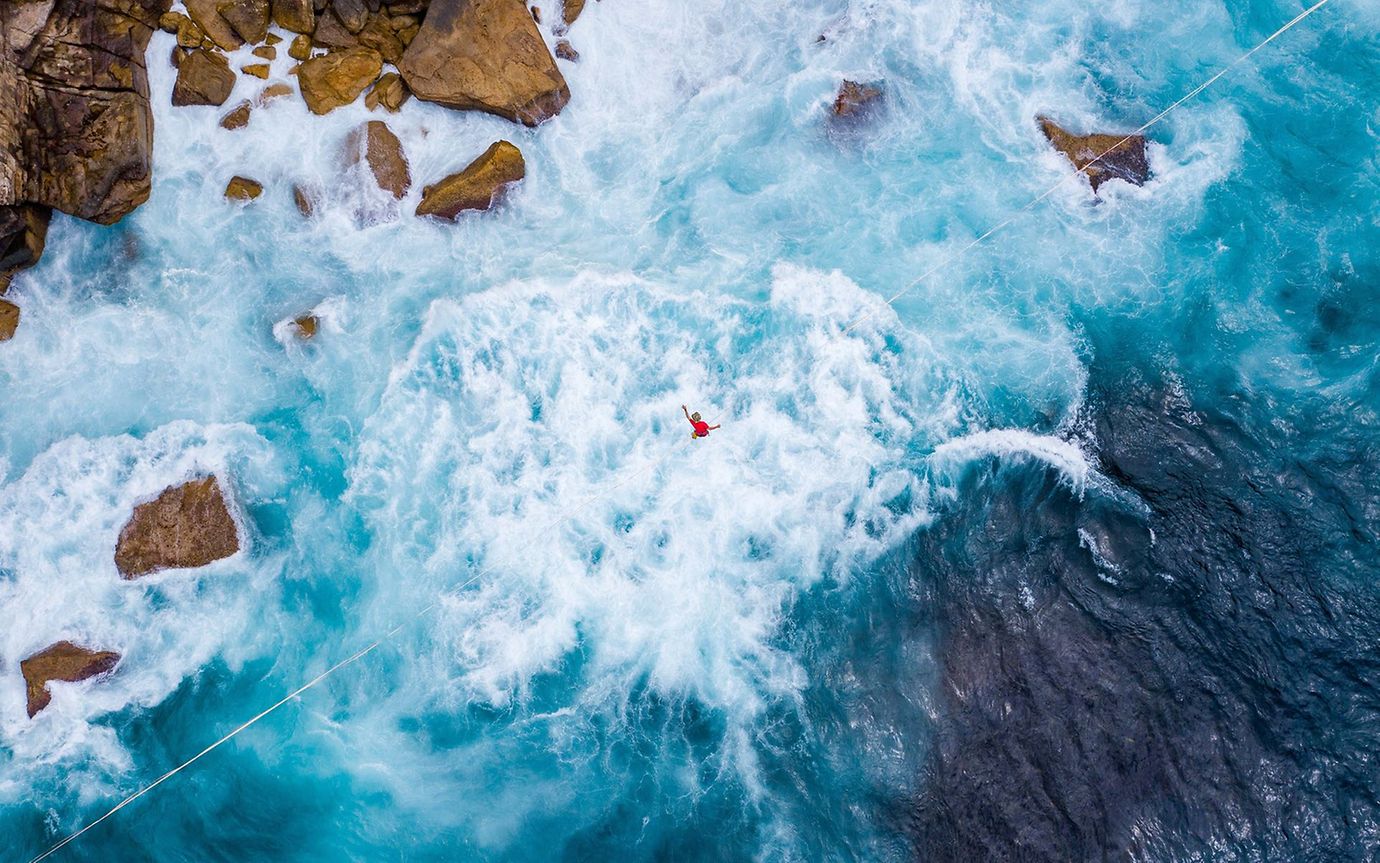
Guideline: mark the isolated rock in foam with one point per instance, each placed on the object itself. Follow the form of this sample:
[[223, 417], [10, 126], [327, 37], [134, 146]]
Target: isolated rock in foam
[[477, 187], [485, 55], [306, 326], [9, 320], [243, 189], [63, 661], [1125, 161], [203, 78], [75, 125], [338, 78], [855, 100], [188, 525], [376, 144]]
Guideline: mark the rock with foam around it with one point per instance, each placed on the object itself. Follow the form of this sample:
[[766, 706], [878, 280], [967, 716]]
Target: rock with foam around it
[[299, 16], [248, 18], [243, 189], [478, 187], [9, 320], [855, 100], [1123, 157], [389, 91], [187, 526], [571, 10], [216, 28], [338, 78], [374, 143], [237, 118], [484, 55], [62, 661], [23, 233], [203, 78]]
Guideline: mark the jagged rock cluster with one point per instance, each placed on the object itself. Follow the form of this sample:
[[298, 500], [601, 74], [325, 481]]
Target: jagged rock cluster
[[188, 525]]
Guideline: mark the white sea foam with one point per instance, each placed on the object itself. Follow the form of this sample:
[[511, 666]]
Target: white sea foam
[[1063, 456]]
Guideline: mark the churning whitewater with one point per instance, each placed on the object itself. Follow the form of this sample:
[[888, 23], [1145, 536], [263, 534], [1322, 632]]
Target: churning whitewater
[[1069, 553]]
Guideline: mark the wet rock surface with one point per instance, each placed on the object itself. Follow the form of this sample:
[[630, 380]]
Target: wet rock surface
[[478, 187], [1122, 157], [855, 100], [375, 144], [338, 78], [1161, 677], [187, 526], [203, 78], [63, 661], [485, 55], [9, 320]]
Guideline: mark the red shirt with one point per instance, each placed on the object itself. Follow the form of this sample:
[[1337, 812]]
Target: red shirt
[[701, 428]]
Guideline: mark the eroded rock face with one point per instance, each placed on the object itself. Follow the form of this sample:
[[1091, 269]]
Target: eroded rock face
[[856, 100], [477, 187], [485, 55], [75, 126], [187, 526], [9, 320], [1123, 159], [203, 78], [63, 661], [376, 144], [338, 78], [23, 231]]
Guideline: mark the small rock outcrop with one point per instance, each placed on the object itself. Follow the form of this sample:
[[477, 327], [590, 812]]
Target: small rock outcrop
[[299, 16], [484, 55], [337, 78], [216, 28], [1123, 158], [187, 526], [567, 52], [305, 199], [203, 78], [238, 117], [477, 187], [389, 91], [62, 661], [374, 143], [306, 326], [855, 100], [243, 189], [23, 232], [572, 10], [9, 320], [248, 18]]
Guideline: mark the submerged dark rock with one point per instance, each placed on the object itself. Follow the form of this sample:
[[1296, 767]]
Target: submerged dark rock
[[1191, 672], [856, 100], [1122, 157], [187, 526], [62, 661]]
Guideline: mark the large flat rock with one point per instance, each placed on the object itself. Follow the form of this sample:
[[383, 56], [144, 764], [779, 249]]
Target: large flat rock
[[62, 661], [188, 525]]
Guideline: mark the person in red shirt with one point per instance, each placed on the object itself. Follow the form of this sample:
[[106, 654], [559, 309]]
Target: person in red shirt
[[701, 428]]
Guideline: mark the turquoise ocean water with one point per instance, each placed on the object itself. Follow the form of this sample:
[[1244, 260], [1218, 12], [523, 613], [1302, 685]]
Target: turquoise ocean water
[[769, 645]]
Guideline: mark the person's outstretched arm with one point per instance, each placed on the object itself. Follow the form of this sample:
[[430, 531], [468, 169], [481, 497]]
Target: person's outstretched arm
[[687, 415], [711, 428]]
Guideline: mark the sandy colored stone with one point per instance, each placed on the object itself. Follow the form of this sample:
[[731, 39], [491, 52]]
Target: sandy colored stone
[[257, 70], [566, 51], [478, 187], [243, 189], [300, 48], [376, 144], [389, 91], [248, 18], [272, 39], [9, 320], [238, 117], [306, 326], [305, 199], [855, 99], [203, 78], [265, 52], [170, 22], [299, 16], [378, 34], [272, 92], [338, 78], [571, 10], [1122, 158], [485, 55], [62, 661], [216, 28], [187, 526]]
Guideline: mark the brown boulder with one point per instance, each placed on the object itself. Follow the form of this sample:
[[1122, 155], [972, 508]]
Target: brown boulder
[[238, 118], [187, 526], [352, 13], [249, 18], [300, 48], [478, 187], [484, 55], [330, 33], [273, 92], [258, 70], [265, 52], [9, 320], [299, 16], [23, 232], [216, 28], [572, 10], [854, 99], [306, 326], [243, 189], [305, 199], [338, 78], [75, 124], [566, 51], [1122, 157], [376, 144], [378, 34], [203, 78], [389, 91], [63, 661]]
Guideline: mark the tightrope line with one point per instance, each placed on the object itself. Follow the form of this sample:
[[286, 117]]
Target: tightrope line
[[1083, 170], [565, 514]]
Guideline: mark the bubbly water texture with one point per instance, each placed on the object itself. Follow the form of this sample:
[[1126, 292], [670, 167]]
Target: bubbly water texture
[[643, 646]]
